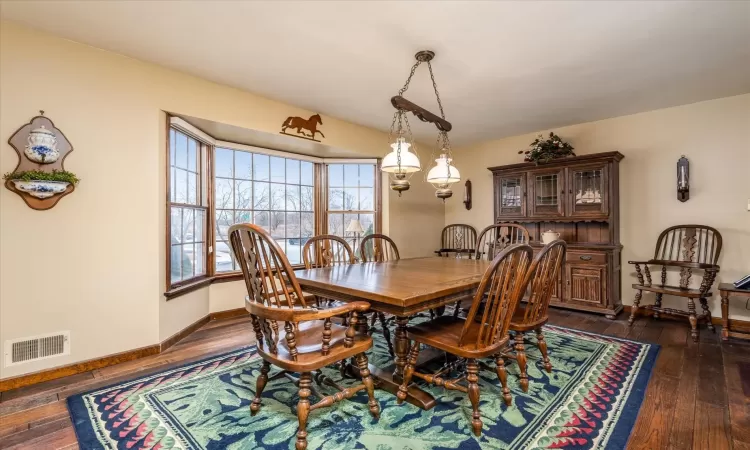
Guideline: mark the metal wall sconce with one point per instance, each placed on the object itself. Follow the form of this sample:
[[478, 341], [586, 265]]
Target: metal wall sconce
[[683, 179], [467, 194]]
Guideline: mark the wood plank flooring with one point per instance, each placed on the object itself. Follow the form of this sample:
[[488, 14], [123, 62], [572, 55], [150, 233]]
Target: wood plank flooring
[[694, 398]]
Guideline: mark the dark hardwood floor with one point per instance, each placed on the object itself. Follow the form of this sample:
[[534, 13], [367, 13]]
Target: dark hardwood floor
[[694, 399]]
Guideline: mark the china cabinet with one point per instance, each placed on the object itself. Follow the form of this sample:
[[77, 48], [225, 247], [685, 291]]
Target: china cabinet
[[577, 197]]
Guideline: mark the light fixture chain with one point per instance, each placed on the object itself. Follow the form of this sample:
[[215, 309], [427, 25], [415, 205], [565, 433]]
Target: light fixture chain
[[408, 80], [434, 86]]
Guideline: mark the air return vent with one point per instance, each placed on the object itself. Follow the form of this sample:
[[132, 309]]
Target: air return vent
[[36, 348]]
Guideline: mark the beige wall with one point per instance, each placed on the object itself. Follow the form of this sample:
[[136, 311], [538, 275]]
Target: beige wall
[[94, 264], [715, 137]]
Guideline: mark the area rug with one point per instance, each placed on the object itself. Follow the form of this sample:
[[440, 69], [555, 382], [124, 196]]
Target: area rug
[[589, 401]]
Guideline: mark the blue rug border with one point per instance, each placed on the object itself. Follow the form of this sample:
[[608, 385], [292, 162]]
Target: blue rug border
[[87, 438]]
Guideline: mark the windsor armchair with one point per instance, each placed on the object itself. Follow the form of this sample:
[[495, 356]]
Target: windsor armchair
[[532, 315], [687, 248], [329, 251], [309, 340], [493, 239], [378, 248], [480, 335], [458, 239]]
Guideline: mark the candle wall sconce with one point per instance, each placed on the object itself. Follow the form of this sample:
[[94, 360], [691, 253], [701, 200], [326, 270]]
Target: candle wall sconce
[[683, 179], [467, 194]]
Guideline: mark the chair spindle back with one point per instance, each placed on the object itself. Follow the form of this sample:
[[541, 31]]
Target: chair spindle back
[[541, 278], [458, 236], [503, 285], [493, 239], [688, 243], [327, 250], [378, 248]]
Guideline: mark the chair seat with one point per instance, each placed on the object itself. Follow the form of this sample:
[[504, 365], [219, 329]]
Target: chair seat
[[309, 341], [672, 290], [443, 333], [517, 322]]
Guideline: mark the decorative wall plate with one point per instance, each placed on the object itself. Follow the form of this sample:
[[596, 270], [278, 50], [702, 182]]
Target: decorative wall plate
[[40, 188]]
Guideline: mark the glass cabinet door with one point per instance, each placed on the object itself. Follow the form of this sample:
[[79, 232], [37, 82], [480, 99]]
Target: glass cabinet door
[[547, 189], [588, 191], [511, 195]]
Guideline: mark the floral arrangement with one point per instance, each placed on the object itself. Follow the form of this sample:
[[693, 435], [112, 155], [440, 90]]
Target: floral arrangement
[[545, 150], [38, 175]]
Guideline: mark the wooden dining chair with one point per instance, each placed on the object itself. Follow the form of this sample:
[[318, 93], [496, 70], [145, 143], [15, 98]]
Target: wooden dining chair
[[378, 248], [532, 314], [479, 335], [309, 340], [327, 251], [457, 238], [493, 239]]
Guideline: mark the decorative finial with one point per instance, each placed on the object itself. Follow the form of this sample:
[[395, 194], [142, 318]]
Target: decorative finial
[[41, 112]]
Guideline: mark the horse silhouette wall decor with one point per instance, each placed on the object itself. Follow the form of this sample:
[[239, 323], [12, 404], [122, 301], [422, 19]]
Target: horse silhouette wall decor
[[303, 127]]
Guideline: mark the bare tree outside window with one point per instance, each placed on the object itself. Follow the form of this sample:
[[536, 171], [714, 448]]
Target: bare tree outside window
[[351, 194]]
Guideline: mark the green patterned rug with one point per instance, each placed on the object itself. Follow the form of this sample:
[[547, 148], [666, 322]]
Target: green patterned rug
[[589, 401]]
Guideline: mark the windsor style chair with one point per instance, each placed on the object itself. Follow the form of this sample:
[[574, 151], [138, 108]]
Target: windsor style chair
[[532, 314], [309, 340], [493, 239], [329, 251], [459, 239], [480, 335], [687, 248], [378, 248]]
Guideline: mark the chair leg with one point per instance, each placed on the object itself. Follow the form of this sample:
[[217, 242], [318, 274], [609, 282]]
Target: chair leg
[[521, 358], [364, 372], [386, 332], [657, 303], [634, 308], [408, 372], [707, 312], [303, 409], [260, 384], [502, 374], [542, 344], [472, 371], [693, 320]]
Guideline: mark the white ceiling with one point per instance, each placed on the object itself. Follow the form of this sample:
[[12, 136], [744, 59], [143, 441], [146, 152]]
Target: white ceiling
[[503, 68]]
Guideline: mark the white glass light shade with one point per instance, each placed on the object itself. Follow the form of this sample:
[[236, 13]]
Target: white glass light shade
[[355, 227], [443, 172], [409, 161]]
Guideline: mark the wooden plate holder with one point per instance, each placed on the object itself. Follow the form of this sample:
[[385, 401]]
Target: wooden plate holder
[[18, 142]]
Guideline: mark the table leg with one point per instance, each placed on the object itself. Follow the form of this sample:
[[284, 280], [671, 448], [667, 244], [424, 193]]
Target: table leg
[[724, 316], [401, 348]]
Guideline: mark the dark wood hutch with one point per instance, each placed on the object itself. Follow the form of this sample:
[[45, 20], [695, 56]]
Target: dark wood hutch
[[577, 197]]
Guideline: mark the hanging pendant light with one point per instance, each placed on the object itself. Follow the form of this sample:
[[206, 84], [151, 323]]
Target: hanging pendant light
[[401, 163]]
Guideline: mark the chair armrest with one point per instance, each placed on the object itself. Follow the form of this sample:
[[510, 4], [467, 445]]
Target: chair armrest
[[286, 314], [639, 262], [687, 264]]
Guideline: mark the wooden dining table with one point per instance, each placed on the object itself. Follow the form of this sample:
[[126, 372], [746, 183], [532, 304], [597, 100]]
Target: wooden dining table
[[403, 288]]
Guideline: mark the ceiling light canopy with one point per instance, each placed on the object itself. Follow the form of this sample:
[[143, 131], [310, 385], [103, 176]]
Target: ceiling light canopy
[[401, 163]]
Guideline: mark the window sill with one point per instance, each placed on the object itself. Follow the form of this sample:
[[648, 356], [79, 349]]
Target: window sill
[[189, 287]]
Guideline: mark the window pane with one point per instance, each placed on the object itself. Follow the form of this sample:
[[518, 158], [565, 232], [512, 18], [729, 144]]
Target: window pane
[[277, 225], [172, 145], [347, 221], [292, 198], [224, 194], [199, 258], [335, 199], [176, 226], [292, 171], [181, 151], [368, 223], [335, 175], [260, 168], [351, 198], [176, 263], [293, 250], [365, 199], [243, 165], [277, 197], [242, 194], [277, 169], [336, 224], [200, 220], [224, 257], [243, 217], [180, 186], [261, 218], [192, 188], [223, 222], [188, 261], [307, 227], [307, 173], [192, 155], [306, 198], [188, 232], [223, 163], [351, 175], [260, 196], [367, 175], [292, 225]]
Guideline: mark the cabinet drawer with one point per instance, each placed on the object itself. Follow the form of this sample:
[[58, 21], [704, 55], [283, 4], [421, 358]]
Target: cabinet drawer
[[585, 258]]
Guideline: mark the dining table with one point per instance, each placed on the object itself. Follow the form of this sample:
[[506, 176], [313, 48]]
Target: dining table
[[403, 288]]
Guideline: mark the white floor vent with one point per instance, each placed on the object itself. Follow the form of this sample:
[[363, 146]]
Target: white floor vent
[[35, 348]]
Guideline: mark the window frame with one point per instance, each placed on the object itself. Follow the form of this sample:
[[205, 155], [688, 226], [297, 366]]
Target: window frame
[[207, 181]]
